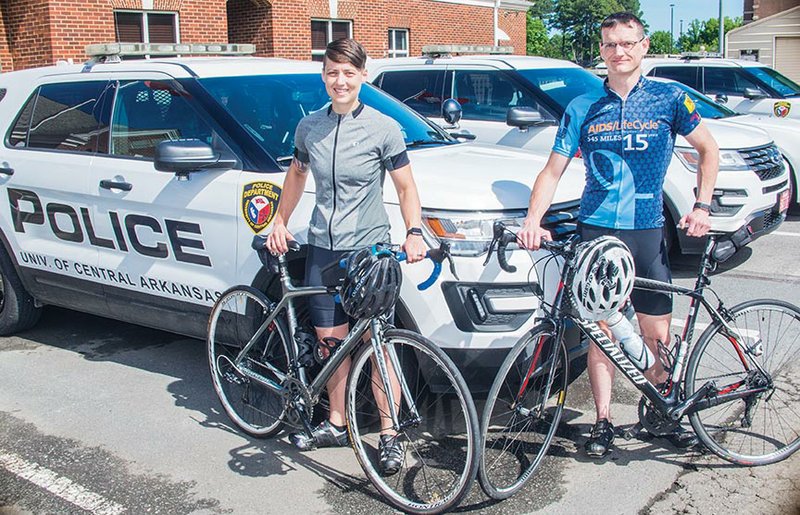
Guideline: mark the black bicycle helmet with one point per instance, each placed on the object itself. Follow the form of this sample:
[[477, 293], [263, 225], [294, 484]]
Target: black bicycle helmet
[[371, 285]]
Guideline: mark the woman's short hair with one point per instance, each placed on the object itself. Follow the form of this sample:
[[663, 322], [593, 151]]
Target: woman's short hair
[[346, 50]]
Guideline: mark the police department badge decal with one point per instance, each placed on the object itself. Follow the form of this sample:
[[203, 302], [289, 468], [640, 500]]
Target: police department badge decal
[[260, 204], [781, 109]]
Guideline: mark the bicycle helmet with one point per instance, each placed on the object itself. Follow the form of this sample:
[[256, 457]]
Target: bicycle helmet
[[602, 277], [371, 285]]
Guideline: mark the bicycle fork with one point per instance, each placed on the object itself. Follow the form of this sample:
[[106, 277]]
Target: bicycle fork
[[379, 346]]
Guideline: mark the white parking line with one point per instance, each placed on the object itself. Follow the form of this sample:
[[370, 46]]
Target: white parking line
[[59, 486], [782, 233]]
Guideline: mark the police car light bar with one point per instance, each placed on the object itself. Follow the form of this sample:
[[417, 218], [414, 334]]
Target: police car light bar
[[699, 55], [466, 49], [168, 49]]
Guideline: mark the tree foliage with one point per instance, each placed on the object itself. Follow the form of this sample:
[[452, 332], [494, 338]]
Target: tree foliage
[[704, 35], [537, 36], [660, 42]]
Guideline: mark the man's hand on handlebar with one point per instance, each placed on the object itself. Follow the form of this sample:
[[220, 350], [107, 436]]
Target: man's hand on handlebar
[[695, 223], [531, 235], [415, 248], [277, 239]]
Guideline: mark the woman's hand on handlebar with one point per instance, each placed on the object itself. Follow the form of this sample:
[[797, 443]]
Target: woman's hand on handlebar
[[532, 234], [415, 248], [277, 239]]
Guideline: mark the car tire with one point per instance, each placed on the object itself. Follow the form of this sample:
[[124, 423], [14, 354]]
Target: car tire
[[18, 310]]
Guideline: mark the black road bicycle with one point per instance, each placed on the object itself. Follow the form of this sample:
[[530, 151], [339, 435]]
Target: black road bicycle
[[740, 387], [260, 358]]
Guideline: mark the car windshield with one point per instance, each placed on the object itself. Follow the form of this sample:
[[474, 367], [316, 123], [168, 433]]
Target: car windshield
[[784, 86], [270, 106], [705, 106], [561, 85]]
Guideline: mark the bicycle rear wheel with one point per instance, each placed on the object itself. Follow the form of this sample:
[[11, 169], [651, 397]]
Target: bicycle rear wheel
[[522, 412], [760, 428], [440, 447], [235, 319]]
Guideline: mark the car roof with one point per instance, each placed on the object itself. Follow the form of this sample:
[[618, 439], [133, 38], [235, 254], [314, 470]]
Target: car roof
[[518, 62], [200, 67], [705, 61]]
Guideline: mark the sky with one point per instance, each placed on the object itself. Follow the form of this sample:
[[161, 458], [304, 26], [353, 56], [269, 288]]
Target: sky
[[657, 12]]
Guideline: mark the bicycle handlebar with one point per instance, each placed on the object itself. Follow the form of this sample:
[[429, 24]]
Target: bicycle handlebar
[[501, 238], [436, 255]]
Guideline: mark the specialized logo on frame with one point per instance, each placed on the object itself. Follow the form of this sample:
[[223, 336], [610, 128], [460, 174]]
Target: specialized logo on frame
[[260, 204]]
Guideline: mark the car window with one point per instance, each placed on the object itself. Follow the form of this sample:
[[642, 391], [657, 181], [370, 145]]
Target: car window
[[705, 106], [149, 112], [783, 86], [488, 94], [683, 74], [559, 86], [421, 90], [726, 81], [269, 107], [70, 116]]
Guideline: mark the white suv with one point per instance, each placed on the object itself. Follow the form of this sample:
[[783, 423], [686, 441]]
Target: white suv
[[517, 101], [100, 218], [744, 86]]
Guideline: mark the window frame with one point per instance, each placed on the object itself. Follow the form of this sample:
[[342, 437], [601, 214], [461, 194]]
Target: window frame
[[393, 52], [145, 24], [329, 33]]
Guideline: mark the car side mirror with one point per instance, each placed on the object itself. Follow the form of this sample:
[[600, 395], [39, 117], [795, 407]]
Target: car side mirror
[[721, 98], [185, 156], [753, 93], [451, 111], [523, 117]]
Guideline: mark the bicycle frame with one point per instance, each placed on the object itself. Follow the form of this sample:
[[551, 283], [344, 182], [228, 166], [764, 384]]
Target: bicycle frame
[[351, 341], [670, 403]]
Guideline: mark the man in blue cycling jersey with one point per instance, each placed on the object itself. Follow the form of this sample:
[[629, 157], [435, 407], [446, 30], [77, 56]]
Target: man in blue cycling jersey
[[626, 132]]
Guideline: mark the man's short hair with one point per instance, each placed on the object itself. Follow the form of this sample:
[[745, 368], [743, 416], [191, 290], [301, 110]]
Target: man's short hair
[[346, 50], [621, 18]]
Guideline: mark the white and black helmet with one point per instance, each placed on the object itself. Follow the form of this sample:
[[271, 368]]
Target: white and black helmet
[[602, 278]]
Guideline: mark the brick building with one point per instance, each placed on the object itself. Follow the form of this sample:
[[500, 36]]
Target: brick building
[[42, 32]]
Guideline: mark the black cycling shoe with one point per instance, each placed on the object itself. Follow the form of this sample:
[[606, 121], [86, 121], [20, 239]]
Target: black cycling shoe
[[599, 442], [391, 451], [324, 435], [682, 438]]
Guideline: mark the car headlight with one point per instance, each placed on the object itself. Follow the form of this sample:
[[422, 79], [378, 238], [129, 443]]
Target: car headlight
[[468, 234], [728, 159]]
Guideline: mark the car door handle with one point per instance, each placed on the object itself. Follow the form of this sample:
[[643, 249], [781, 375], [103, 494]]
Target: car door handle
[[115, 185], [5, 170]]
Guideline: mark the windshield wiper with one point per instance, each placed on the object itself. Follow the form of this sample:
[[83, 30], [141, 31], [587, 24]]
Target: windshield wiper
[[425, 142]]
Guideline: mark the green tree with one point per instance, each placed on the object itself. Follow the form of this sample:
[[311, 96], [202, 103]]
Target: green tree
[[660, 42], [704, 35], [579, 22], [537, 36]]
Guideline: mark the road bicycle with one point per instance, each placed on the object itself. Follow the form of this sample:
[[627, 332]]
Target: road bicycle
[[740, 387], [269, 370]]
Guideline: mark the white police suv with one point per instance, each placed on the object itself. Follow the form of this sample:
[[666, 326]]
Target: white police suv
[[744, 86], [517, 101], [97, 216]]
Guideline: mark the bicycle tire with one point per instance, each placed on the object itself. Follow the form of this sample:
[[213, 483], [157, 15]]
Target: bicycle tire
[[522, 412], [234, 319], [440, 454], [723, 428]]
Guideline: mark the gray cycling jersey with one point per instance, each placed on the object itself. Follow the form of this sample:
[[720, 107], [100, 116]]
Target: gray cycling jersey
[[348, 156]]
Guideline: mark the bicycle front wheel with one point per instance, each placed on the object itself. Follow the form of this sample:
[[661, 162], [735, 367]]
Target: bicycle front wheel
[[522, 412], [762, 427], [438, 433], [235, 320]]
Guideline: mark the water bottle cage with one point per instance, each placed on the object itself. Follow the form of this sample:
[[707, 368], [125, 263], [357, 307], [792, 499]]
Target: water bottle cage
[[305, 349], [325, 349]]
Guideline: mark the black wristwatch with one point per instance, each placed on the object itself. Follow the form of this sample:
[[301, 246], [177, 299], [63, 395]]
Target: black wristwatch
[[415, 231], [702, 205]]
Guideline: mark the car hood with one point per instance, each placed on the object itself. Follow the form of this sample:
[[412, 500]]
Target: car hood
[[768, 123], [477, 177], [730, 135]]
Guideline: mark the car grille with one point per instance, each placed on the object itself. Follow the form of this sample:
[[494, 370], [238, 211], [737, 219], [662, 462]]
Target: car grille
[[562, 219], [772, 218], [766, 161]]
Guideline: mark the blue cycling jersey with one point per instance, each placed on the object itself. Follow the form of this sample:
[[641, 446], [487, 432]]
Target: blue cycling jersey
[[626, 147]]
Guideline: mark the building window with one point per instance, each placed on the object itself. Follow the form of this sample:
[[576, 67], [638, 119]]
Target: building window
[[146, 27], [325, 31], [398, 42]]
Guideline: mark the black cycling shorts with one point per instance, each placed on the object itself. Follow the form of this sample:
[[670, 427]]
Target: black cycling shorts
[[649, 250], [324, 310]]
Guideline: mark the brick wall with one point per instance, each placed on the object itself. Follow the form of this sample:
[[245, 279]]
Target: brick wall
[[428, 23], [250, 22], [27, 26]]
